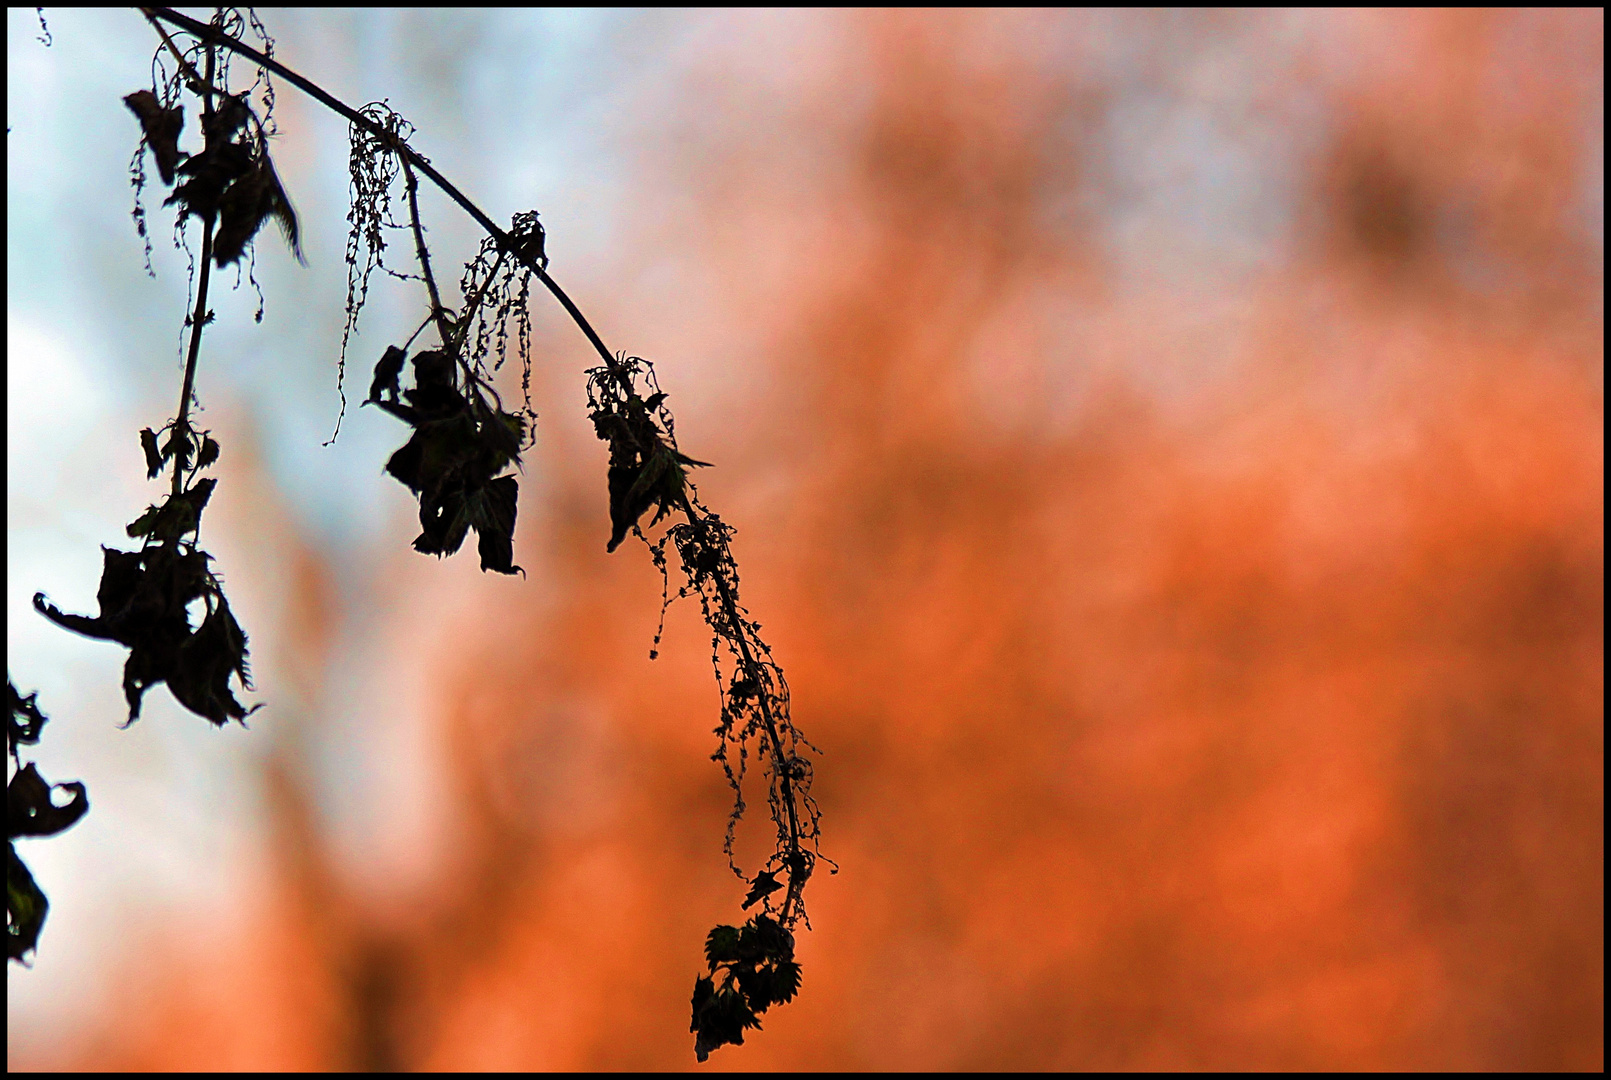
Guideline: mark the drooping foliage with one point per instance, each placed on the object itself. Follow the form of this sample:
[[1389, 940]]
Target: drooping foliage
[[166, 605]]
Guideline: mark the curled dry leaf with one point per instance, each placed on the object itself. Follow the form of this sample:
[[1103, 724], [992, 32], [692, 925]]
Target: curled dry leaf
[[452, 461], [144, 599], [646, 468], [30, 812], [161, 127]]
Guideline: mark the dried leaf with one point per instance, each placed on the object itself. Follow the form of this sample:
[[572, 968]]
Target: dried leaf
[[209, 453], [30, 810], [176, 515], [200, 678], [387, 373], [721, 946], [26, 907], [25, 722], [153, 457], [453, 459], [161, 126], [144, 596], [211, 172], [494, 522], [250, 201], [763, 886]]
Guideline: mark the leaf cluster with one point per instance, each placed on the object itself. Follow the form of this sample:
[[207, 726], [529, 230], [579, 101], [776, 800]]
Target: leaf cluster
[[646, 468], [756, 966], [30, 812], [146, 596], [231, 181], [453, 460]]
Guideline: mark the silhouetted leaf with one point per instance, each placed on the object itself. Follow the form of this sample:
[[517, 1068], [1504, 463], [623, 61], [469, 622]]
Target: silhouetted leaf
[[494, 522], [452, 460], [230, 113], [704, 990], [209, 453], [722, 1020], [387, 373], [25, 721], [773, 941], [176, 515], [26, 907], [721, 945], [30, 811], [144, 596], [207, 659], [153, 456], [161, 126], [763, 886], [250, 201], [785, 981], [646, 469], [211, 172]]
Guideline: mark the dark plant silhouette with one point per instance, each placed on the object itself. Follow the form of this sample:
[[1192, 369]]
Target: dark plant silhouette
[[457, 460], [30, 811]]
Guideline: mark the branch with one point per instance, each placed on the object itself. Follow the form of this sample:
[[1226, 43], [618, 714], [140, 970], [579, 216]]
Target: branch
[[212, 35], [413, 160]]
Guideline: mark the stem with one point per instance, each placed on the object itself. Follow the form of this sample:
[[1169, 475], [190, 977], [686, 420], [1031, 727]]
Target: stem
[[412, 160], [780, 763], [197, 321], [212, 35], [443, 326], [199, 318], [475, 301]]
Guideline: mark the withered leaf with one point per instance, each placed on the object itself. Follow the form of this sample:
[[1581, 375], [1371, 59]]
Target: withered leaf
[[646, 470], [231, 113], [177, 514], [452, 460], [153, 457], [763, 886], [26, 907], [200, 678], [249, 202], [210, 172], [161, 126], [494, 522], [704, 990], [387, 373], [30, 811], [143, 599], [722, 1019], [25, 721], [756, 965], [774, 941], [776, 983], [721, 945], [209, 453], [177, 447]]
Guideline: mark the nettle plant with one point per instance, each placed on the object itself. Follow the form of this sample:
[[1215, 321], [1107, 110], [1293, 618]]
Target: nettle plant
[[164, 601]]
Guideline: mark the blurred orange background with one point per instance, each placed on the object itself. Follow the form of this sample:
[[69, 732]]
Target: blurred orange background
[[1167, 453]]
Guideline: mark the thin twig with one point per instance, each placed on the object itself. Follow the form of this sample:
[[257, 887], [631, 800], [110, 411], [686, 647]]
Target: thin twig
[[199, 318], [780, 762], [444, 325]]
